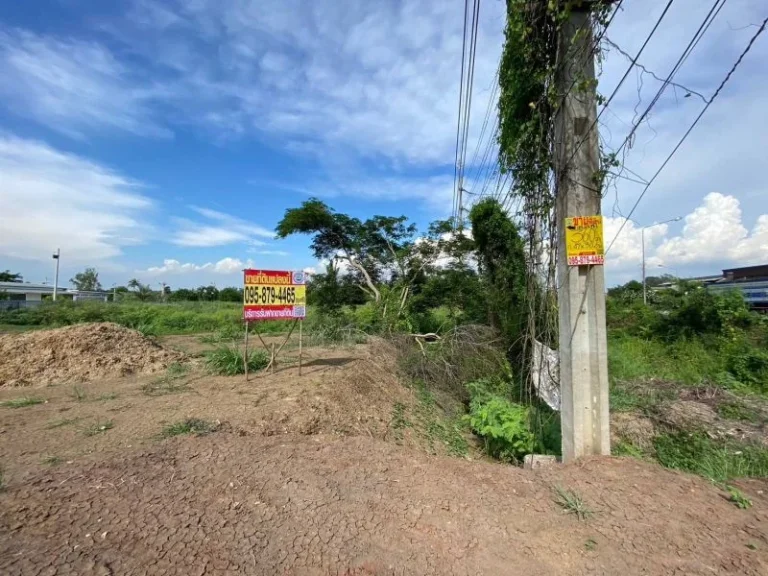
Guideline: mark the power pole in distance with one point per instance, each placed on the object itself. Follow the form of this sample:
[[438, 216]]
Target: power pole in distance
[[56, 277], [581, 289]]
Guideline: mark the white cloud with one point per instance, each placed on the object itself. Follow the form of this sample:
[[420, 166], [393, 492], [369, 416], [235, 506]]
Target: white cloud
[[50, 199], [271, 252], [72, 85], [713, 237], [174, 267], [224, 229]]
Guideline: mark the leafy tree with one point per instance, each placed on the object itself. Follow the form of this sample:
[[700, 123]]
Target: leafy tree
[[183, 295], [207, 293], [87, 280], [369, 246], [231, 294], [8, 276], [501, 260], [142, 291]]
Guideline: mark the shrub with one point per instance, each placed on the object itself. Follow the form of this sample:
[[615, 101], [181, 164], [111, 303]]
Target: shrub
[[229, 361], [504, 426], [194, 426], [717, 460]]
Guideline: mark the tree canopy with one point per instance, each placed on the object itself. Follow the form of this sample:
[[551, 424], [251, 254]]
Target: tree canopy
[[87, 280], [8, 276]]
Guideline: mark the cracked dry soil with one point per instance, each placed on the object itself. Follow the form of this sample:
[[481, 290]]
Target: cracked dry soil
[[297, 504]]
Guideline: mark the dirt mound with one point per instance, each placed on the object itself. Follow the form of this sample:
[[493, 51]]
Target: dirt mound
[[320, 505], [79, 353]]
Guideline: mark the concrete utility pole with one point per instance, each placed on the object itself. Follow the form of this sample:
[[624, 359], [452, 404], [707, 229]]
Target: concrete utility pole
[[581, 289], [56, 278]]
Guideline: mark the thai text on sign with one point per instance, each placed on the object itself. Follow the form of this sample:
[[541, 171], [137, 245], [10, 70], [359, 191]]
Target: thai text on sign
[[584, 240], [274, 295]]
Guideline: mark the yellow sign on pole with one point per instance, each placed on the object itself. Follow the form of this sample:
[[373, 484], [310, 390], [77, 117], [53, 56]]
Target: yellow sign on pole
[[584, 240]]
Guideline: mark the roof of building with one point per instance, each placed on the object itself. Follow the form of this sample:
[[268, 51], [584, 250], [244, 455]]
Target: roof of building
[[30, 287]]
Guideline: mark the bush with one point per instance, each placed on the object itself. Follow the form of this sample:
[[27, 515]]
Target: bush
[[504, 426], [229, 361], [719, 461]]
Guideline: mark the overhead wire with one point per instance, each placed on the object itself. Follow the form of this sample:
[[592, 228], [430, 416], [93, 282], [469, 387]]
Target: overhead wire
[[725, 80], [458, 121]]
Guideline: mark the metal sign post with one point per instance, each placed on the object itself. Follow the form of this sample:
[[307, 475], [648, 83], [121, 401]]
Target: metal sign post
[[245, 354]]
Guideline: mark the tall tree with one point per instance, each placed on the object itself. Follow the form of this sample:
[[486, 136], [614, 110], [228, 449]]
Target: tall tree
[[142, 291], [87, 280], [8, 276], [379, 242], [501, 259]]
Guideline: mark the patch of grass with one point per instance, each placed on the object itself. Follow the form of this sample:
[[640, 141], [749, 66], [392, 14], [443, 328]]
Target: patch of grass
[[194, 426], [228, 361], [107, 396], [716, 460], [572, 503], [59, 423], [628, 396], [21, 402], [436, 428], [399, 420], [738, 411], [625, 448], [79, 394], [52, 460], [168, 383], [590, 544], [738, 498], [99, 428]]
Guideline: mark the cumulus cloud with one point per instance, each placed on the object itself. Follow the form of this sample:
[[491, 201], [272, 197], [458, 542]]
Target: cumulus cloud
[[50, 199], [174, 267], [219, 230], [713, 236]]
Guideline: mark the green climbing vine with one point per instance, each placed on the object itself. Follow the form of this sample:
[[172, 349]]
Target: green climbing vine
[[529, 97]]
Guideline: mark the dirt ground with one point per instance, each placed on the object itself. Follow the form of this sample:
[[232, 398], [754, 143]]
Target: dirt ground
[[319, 475]]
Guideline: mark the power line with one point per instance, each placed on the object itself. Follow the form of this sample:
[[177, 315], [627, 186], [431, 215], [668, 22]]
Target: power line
[[690, 129], [458, 121]]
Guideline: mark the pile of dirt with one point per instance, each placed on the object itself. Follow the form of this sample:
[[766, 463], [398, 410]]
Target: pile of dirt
[[79, 353]]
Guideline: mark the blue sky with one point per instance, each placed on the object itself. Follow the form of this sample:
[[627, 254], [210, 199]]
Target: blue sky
[[164, 140]]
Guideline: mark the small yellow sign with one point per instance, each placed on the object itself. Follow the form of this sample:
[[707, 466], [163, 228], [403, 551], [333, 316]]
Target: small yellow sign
[[584, 240]]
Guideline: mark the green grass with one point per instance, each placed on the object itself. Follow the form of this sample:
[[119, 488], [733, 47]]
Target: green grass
[[735, 410], [228, 361], [60, 423], [79, 394], [169, 383], [684, 361], [399, 420], [194, 426], [436, 427], [52, 460], [21, 402], [150, 318], [98, 428], [738, 498], [572, 503], [719, 461]]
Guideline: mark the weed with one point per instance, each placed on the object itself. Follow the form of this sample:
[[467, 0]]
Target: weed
[[738, 411], [21, 402], [107, 396], [399, 421], [504, 426], [98, 428], [79, 394], [717, 460], [625, 448], [229, 361], [738, 498], [572, 503], [194, 426], [52, 460], [59, 423], [169, 383], [751, 546], [590, 544], [435, 427]]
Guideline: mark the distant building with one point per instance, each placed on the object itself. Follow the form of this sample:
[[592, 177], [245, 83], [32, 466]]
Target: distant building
[[24, 294], [751, 281]]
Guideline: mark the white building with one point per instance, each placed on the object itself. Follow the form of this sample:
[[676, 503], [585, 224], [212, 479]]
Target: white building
[[14, 293]]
